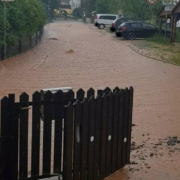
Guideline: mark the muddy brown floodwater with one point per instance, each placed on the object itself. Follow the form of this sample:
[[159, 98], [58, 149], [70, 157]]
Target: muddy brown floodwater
[[81, 56]]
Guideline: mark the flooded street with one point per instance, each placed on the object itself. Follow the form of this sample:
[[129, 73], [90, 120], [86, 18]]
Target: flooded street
[[81, 56]]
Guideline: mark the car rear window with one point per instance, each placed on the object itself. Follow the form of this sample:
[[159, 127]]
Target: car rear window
[[108, 17], [123, 24], [148, 26], [135, 25]]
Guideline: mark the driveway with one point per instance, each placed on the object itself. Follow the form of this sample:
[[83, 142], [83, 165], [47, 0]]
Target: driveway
[[81, 56]]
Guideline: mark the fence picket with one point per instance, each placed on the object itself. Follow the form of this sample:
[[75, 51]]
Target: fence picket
[[4, 131], [77, 144], [68, 142], [120, 128], [35, 134], [58, 116], [115, 130], [116, 89], [84, 140], [103, 137], [125, 128], [131, 91], [47, 133], [109, 135], [13, 141], [90, 93], [80, 94], [97, 137], [23, 160], [91, 137], [107, 90]]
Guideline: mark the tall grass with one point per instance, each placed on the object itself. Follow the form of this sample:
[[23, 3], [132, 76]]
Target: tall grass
[[159, 39]]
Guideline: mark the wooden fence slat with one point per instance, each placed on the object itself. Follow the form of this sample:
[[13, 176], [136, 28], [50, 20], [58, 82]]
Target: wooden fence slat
[[103, 137], [116, 89], [23, 159], [84, 140], [109, 135], [80, 94], [90, 93], [107, 90], [125, 128], [4, 139], [13, 141], [97, 137], [68, 142], [36, 114], [77, 144], [58, 116], [131, 92], [91, 137], [120, 128], [47, 133], [115, 130]]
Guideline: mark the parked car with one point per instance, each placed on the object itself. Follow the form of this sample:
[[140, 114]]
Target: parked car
[[133, 30], [103, 20], [116, 23]]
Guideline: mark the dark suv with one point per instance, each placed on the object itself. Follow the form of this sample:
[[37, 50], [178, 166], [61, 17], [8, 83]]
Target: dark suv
[[133, 30], [116, 23]]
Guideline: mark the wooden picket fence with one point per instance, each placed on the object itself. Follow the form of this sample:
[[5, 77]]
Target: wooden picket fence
[[77, 138]]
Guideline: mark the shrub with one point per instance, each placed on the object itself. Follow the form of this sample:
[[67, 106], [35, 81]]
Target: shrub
[[78, 12], [24, 18]]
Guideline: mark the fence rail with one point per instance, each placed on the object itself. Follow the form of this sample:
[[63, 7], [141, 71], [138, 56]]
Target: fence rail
[[23, 45], [80, 138]]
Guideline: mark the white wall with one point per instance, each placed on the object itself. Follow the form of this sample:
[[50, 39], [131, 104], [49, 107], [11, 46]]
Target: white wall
[[75, 3]]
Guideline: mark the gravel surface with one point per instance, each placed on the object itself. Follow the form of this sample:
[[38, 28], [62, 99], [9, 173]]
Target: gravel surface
[[81, 56]]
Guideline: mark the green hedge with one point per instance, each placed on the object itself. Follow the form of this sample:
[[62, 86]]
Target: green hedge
[[24, 18]]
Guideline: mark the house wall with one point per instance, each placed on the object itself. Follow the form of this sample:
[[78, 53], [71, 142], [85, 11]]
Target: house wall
[[75, 3]]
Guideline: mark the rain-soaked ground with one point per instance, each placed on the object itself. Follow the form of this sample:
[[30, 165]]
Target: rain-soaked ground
[[81, 56]]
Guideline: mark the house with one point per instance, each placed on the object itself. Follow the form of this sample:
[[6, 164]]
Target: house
[[65, 4], [75, 4], [70, 4], [174, 16]]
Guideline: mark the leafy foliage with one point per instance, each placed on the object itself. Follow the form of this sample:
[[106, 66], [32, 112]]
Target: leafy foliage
[[24, 18], [78, 12], [106, 6], [138, 9]]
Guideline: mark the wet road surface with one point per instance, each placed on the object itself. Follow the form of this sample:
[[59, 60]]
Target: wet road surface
[[81, 56]]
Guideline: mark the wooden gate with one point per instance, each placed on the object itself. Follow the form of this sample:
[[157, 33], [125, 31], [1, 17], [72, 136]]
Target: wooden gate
[[82, 137]]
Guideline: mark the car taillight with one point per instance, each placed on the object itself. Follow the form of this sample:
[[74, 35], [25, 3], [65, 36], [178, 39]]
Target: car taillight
[[122, 28], [114, 24]]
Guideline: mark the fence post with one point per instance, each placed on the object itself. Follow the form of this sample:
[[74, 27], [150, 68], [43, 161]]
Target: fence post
[[4, 138], [36, 38], [30, 41], [20, 46], [2, 53]]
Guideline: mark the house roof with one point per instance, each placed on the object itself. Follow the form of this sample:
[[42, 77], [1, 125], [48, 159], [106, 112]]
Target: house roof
[[176, 9]]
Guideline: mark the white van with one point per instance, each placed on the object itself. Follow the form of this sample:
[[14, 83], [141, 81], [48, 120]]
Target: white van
[[103, 20]]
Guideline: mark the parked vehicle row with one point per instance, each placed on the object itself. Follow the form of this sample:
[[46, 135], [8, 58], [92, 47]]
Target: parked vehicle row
[[133, 30], [127, 28]]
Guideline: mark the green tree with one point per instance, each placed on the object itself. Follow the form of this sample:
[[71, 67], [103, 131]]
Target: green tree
[[89, 6], [51, 5], [138, 9], [106, 6], [24, 18]]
